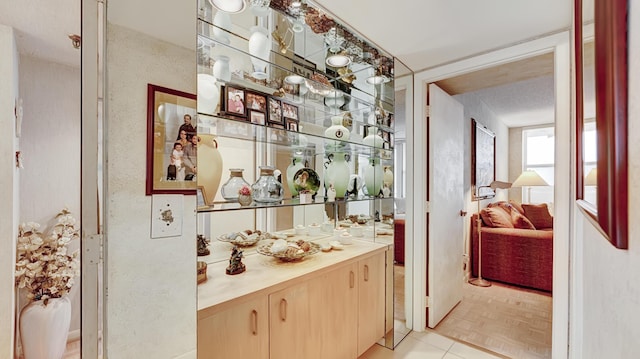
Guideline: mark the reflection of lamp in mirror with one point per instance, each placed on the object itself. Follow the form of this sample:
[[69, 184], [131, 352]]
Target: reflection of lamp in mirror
[[591, 179], [230, 6], [529, 178], [481, 282]]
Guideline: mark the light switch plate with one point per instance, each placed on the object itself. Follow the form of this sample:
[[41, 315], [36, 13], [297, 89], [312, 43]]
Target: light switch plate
[[166, 215]]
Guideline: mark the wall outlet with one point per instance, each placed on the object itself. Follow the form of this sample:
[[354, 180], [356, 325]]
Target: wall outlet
[[166, 215]]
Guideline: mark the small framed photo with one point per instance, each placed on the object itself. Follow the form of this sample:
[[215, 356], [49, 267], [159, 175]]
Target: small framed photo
[[291, 125], [275, 111], [257, 117], [235, 101], [256, 102], [289, 111], [386, 136]]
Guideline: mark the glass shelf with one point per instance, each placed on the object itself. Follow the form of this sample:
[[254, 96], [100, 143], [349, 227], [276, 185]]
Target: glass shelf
[[287, 202], [280, 66], [243, 130]]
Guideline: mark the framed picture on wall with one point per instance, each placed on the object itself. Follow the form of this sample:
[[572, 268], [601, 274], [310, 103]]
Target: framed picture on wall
[[166, 111], [483, 161]]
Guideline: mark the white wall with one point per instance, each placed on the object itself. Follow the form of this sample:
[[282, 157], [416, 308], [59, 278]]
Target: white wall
[[609, 302], [150, 302], [515, 161], [50, 145], [9, 205], [478, 110]]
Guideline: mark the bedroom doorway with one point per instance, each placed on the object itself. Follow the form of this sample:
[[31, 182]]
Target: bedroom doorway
[[553, 51]]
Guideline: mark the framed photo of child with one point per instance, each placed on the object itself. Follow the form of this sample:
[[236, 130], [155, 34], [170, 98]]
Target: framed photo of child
[[169, 112], [234, 102]]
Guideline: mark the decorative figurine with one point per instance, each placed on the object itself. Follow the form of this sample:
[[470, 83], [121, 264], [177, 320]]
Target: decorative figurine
[[235, 262], [331, 193], [203, 243]]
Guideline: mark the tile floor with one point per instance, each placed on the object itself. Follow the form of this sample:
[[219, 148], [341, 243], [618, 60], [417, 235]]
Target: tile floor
[[428, 345]]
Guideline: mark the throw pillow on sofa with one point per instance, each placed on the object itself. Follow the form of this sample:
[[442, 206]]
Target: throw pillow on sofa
[[517, 206], [518, 220], [496, 217], [538, 214]]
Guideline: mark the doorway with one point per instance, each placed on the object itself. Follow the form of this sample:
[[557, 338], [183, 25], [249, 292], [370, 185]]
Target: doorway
[[558, 46]]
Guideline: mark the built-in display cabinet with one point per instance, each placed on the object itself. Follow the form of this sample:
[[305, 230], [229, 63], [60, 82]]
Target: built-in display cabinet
[[299, 109]]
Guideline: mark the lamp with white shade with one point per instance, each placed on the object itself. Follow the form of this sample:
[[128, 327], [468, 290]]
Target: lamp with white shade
[[529, 178]]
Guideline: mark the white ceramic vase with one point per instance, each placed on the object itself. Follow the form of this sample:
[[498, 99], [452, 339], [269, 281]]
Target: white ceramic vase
[[373, 139], [259, 48], [337, 173], [209, 166], [208, 94], [336, 134], [221, 22], [44, 329], [221, 70], [373, 177], [334, 100], [294, 166]]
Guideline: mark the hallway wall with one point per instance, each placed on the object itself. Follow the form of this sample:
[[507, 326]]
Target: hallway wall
[[151, 283], [478, 110], [50, 145]]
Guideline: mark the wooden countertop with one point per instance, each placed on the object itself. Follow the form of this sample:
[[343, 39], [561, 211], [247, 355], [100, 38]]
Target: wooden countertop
[[266, 274]]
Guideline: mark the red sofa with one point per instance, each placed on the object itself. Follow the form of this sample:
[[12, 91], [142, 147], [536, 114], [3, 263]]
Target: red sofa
[[522, 257]]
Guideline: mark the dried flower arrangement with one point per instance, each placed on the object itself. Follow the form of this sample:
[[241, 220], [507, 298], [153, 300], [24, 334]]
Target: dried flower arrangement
[[43, 265]]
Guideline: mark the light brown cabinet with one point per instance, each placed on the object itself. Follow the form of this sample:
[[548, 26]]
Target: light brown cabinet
[[371, 301], [335, 314], [241, 331]]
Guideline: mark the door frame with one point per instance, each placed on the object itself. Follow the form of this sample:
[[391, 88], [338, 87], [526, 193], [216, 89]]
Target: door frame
[[559, 44]]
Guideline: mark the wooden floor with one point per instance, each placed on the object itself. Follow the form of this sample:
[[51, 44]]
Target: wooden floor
[[507, 320]]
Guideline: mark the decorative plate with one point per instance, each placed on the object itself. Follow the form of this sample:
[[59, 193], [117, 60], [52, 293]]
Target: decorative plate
[[306, 179], [266, 250], [242, 239]]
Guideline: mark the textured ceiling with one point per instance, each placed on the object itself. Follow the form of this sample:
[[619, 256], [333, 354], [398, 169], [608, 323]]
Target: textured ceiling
[[427, 33]]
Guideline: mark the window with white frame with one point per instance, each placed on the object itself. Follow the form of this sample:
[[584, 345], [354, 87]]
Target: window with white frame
[[539, 155]]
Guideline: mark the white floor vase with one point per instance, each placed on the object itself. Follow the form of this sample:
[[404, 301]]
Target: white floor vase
[[44, 329]]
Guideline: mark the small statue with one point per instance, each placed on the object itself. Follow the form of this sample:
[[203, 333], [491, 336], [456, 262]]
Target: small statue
[[235, 262], [203, 243], [331, 193]]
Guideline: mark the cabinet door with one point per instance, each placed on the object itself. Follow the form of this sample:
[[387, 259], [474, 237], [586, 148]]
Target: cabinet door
[[290, 323], [371, 301], [238, 332], [334, 301]]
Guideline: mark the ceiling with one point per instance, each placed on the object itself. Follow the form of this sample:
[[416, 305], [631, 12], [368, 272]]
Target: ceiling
[[422, 34]]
